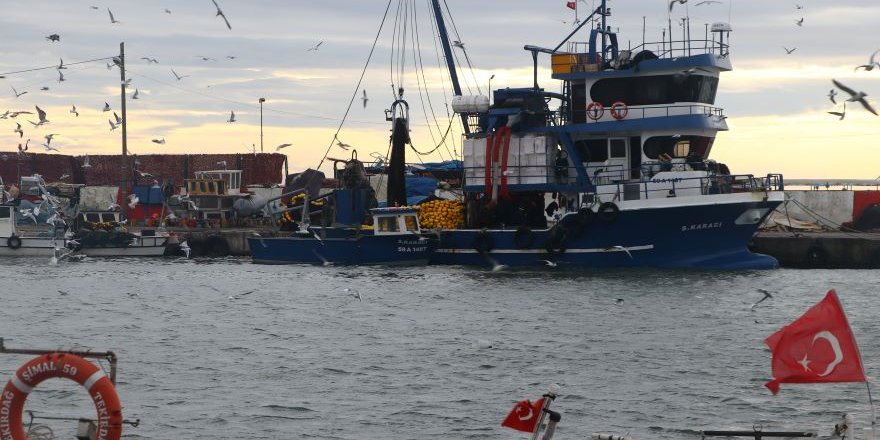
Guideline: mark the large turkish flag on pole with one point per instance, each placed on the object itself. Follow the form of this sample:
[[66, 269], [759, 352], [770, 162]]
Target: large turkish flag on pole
[[818, 347]]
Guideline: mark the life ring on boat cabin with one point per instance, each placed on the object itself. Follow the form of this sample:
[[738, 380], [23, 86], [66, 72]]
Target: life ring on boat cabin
[[483, 242], [619, 110], [13, 242], [66, 366], [609, 212], [523, 238], [595, 110]]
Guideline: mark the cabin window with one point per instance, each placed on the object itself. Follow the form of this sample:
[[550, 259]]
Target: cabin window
[[617, 147], [388, 224], [410, 221], [655, 90], [93, 217], [682, 148], [592, 150], [677, 146], [4, 212], [203, 187], [108, 217]]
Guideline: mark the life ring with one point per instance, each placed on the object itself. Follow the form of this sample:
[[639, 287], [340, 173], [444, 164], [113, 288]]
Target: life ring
[[13, 242], [556, 241], [595, 110], [609, 212], [523, 238], [484, 242], [67, 366], [619, 110]]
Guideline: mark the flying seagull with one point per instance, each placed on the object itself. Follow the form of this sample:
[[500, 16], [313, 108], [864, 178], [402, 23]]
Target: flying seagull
[[840, 114], [316, 47], [118, 119], [61, 64], [143, 173], [278, 148], [150, 60], [135, 96], [112, 125], [872, 63], [54, 38], [42, 115], [365, 99], [789, 51], [49, 147], [159, 141], [221, 14], [549, 263], [797, 6], [18, 130], [44, 88], [107, 107], [855, 96], [61, 77], [113, 20], [707, 2], [766, 295], [50, 136], [179, 77], [239, 295], [831, 94], [167, 11], [342, 145], [458, 44], [16, 92], [673, 2], [231, 117], [622, 249], [799, 22], [354, 292]]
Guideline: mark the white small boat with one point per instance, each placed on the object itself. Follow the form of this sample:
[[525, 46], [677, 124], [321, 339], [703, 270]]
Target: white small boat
[[14, 245]]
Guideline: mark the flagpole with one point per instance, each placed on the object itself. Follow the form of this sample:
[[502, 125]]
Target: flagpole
[[548, 398], [873, 412]]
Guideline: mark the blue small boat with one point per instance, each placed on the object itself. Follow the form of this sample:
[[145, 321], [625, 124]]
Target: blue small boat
[[395, 239]]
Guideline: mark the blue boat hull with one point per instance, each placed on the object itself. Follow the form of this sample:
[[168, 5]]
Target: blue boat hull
[[698, 236], [407, 249]]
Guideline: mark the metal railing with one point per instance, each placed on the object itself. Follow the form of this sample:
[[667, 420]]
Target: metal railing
[[666, 49], [659, 111]]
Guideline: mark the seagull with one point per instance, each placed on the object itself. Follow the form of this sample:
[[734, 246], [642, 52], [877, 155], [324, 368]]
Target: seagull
[[42, 115], [64, 176], [496, 266], [621, 248], [61, 64], [354, 292], [205, 58], [222, 163], [618, 300], [61, 77], [179, 77], [231, 57], [789, 51], [54, 38], [112, 19], [766, 295], [150, 60], [241, 294], [231, 116], [112, 125], [871, 63], [316, 47], [365, 99], [143, 173], [73, 110], [86, 163], [855, 97], [797, 6], [799, 22], [184, 247], [221, 14], [22, 150], [167, 11], [707, 2], [673, 2], [159, 141], [458, 44], [106, 107], [135, 96], [133, 200], [49, 147], [118, 119], [840, 114], [16, 92], [549, 263], [831, 94], [282, 146], [50, 136], [18, 130]]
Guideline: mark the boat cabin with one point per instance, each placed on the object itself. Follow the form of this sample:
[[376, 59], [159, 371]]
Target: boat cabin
[[213, 193], [395, 221], [7, 222]]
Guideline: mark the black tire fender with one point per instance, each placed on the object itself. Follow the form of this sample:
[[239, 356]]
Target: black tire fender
[[609, 212], [13, 242]]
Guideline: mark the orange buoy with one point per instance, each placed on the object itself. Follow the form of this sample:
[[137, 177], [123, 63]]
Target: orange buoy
[[67, 366]]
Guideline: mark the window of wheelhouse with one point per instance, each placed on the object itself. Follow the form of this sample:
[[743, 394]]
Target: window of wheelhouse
[[655, 90], [592, 150], [677, 146]]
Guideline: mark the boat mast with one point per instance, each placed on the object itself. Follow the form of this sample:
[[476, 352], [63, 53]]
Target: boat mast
[[450, 62], [124, 189]]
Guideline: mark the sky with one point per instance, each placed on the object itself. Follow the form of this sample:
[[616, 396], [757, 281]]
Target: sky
[[776, 102]]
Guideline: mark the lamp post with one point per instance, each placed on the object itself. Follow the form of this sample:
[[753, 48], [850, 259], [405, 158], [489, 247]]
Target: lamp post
[[262, 100]]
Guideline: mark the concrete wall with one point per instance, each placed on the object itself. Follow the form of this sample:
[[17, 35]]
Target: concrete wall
[[829, 208]]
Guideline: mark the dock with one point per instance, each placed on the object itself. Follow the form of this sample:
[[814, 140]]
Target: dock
[[820, 250]]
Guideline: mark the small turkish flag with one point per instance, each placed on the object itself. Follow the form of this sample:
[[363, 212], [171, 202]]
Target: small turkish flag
[[572, 5], [818, 347], [524, 416]]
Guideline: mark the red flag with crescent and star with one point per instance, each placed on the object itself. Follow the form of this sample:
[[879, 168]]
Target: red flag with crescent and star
[[818, 347], [524, 416], [572, 5]]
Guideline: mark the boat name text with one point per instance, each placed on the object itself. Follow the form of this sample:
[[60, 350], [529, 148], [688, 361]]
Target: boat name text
[[701, 226]]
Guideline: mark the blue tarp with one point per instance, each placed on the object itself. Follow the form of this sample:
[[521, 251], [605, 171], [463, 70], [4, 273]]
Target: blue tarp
[[420, 186], [148, 195]]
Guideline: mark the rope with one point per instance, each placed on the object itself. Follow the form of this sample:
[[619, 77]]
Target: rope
[[420, 70], [54, 66], [360, 80]]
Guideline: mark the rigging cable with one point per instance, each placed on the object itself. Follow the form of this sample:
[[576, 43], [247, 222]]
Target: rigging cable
[[55, 66], [360, 80], [457, 35], [420, 70]]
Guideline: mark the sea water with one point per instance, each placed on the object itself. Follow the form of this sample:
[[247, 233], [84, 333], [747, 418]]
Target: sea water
[[226, 349]]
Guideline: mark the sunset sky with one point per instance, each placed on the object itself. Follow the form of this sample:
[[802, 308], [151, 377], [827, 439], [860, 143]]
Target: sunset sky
[[776, 102]]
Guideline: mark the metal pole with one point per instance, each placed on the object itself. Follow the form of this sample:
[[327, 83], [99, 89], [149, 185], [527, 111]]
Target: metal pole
[[124, 189], [450, 62], [262, 100], [108, 355]]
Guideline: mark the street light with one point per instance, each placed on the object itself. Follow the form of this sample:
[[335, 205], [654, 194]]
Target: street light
[[262, 100]]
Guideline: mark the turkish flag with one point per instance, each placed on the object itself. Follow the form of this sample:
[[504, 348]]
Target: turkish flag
[[524, 416], [572, 5], [818, 347]]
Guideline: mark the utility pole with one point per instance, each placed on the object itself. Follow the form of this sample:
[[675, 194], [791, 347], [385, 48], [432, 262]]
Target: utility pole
[[262, 100], [123, 190]]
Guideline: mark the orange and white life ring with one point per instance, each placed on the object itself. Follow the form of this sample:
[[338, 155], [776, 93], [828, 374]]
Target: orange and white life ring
[[619, 110], [67, 366], [595, 110]]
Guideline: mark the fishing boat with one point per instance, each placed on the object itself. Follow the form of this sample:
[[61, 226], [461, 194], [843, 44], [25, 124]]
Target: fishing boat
[[342, 226], [103, 234], [611, 170], [15, 244]]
